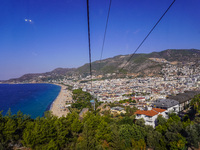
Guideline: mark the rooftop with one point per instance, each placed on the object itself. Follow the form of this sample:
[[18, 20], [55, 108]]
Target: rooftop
[[165, 103], [117, 108], [146, 112], [150, 113], [158, 109], [183, 97]]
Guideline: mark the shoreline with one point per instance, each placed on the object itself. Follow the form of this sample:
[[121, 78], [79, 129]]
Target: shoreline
[[58, 106]]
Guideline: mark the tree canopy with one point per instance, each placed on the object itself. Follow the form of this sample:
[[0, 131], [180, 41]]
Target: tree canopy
[[97, 132]]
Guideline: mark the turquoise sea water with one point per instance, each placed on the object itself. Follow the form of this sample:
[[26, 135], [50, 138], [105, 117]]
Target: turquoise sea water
[[32, 99]]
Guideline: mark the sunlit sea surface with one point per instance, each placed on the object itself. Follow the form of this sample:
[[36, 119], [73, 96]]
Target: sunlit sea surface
[[32, 99]]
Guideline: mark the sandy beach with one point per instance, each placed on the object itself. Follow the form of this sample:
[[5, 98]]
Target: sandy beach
[[58, 106]]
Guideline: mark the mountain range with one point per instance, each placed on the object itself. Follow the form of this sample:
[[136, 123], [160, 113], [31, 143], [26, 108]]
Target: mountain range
[[140, 65]]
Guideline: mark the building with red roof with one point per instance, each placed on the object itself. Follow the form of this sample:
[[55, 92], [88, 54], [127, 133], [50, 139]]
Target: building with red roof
[[150, 116]]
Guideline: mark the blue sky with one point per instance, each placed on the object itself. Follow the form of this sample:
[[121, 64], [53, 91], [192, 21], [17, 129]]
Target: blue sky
[[56, 36]]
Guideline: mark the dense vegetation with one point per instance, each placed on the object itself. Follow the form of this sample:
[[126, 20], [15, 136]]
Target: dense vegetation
[[99, 132], [82, 99], [127, 100]]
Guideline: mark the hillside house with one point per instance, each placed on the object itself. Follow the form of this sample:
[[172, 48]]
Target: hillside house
[[138, 99], [117, 110], [150, 116], [184, 99], [168, 104]]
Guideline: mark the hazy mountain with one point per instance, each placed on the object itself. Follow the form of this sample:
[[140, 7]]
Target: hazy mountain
[[140, 65], [58, 73]]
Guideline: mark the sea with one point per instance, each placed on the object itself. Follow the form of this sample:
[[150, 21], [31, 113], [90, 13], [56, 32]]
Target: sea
[[30, 99]]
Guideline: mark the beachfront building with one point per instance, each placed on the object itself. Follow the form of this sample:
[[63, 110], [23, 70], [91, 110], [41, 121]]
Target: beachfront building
[[150, 115]]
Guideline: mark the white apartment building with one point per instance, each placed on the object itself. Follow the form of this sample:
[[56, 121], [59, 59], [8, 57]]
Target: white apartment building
[[150, 116]]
